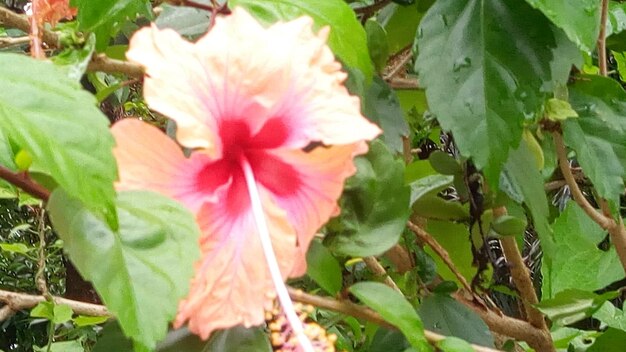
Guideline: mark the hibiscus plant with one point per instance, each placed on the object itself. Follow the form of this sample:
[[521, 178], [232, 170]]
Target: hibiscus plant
[[299, 175]]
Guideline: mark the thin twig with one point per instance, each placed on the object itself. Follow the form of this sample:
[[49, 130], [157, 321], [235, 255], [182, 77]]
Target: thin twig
[[24, 182], [521, 276], [400, 258], [602, 62], [40, 276], [6, 312], [103, 63], [443, 254], [18, 301], [577, 194], [361, 312], [373, 264], [403, 57], [10, 19], [406, 83], [6, 42]]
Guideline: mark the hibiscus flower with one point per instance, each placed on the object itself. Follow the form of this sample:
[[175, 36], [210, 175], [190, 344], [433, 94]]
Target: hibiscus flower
[[272, 133]]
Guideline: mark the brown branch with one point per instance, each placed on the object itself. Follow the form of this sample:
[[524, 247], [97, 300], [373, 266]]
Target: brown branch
[[577, 194], [12, 41], [399, 61], [602, 62], [443, 254], [103, 63], [40, 277], [18, 301], [25, 183], [538, 339], [369, 10], [406, 83], [521, 276], [10, 19], [378, 270], [357, 311], [400, 258]]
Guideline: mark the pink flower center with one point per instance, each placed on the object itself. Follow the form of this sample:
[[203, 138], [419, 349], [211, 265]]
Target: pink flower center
[[275, 175]]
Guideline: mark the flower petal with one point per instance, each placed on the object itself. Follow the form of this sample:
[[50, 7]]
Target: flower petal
[[283, 82], [176, 85], [306, 186], [148, 159], [232, 285]]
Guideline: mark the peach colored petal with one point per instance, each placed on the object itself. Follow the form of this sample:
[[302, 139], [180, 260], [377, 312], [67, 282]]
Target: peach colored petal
[[176, 85], [52, 11], [321, 174], [232, 285], [148, 159]]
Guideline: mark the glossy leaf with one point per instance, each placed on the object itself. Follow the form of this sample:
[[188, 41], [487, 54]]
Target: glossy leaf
[[186, 21], [394, 308], [444, 163], [323, 268], [570, 306], [611, 316], [375, 206], [147, 263], [483, 84], [575, 261], [381, 105], [579, 19], [444, 315], [508, 225], [612, 340], [347, 38], [49, 116]]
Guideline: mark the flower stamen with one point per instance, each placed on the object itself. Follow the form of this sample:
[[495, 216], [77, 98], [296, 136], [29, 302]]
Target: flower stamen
[[270, 257]]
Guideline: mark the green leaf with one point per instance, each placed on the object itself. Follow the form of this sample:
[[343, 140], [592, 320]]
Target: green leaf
[[43, 309], [64, 346], [323, 268], [508, 225], [579, 19], [400, 22], [444, 163], [377, 44], [429, 185], [239, 339], [51, 117], [375, 206], [113, 339], [575, 261], [559, 110], [611, 316], [612, 340], [347, 37], [62, 313], [520, 172], [444, 315], [105, 17], [147, 263], [481, 82], [599, 136], [181, 340], [616, 21], [15, 248], [432, 206], [454, 344], [74, 61], [394, 308], [83, 320], [388, 341], [186, 21], [381, 105], [570, 306], [454, 238]]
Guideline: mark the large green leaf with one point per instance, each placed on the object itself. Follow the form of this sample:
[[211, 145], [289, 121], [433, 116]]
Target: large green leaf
[[611, 316], [454, 238], [394, 308], [617, 18], [375, 206], [186, 21], [381, 105], [347, 37], [446, 316], [142, 270], [599, 136], [400, 22], [575, 261], [48, 115], [486, 71], [612, 340], [580, 19]]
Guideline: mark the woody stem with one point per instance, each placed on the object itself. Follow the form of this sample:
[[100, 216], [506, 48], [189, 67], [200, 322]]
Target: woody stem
[[270, 257]]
